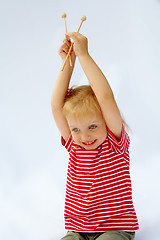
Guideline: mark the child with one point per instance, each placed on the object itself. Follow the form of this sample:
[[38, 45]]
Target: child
[[98, 203]]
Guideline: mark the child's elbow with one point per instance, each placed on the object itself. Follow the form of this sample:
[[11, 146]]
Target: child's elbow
[[53, 106], [53, 102], [56, 108]]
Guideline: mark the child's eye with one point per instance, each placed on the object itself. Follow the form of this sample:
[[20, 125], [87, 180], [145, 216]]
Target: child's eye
[[75, 129], [92, 127]]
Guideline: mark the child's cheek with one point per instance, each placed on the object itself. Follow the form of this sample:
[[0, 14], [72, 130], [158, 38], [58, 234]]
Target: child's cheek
[[75, 137]]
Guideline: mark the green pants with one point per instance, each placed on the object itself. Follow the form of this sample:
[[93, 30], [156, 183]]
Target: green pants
[[109, 235]]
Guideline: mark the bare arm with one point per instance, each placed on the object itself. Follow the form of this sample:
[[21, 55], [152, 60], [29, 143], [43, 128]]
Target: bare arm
[[60, 90], [99, 85]]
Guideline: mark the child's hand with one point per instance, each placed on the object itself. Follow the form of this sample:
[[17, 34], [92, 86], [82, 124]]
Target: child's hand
[[80, 46], [64, 49]]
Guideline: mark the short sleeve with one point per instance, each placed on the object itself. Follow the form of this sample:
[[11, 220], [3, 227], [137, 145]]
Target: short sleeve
[[67, 144], [121, 146]]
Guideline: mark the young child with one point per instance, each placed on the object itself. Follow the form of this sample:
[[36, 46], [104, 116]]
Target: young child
[[98, 203]]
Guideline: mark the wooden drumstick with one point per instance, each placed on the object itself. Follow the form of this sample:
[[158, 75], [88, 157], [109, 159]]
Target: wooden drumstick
[[83, 18], [64, 15]]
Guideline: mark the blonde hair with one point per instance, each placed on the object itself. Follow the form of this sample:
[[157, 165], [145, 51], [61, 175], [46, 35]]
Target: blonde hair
[[80, 101]]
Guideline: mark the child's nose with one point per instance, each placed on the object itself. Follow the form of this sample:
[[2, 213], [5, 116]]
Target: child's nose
[[85, 136]]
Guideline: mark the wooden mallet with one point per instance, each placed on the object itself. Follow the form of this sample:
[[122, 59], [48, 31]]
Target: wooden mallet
[[83, 18], [64, 15]]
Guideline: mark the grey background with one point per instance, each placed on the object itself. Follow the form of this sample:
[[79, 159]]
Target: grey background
[[124, 39]]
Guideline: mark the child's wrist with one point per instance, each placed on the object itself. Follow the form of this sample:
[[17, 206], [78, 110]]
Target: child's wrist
[[83, 56]]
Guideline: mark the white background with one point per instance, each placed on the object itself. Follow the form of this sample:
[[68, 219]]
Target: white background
[[124, 40]]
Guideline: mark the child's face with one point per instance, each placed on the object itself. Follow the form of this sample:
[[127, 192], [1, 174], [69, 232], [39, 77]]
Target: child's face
[[88, 132]]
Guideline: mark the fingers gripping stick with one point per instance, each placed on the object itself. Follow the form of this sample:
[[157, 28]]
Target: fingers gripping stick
[[64, 15], [83, 18]]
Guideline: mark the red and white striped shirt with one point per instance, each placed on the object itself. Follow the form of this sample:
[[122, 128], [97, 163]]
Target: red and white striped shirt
[[98, 189]]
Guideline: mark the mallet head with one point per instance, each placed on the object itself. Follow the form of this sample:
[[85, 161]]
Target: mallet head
[[64, 15], [83, 18]]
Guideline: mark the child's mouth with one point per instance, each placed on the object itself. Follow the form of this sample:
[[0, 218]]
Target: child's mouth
[[89, 143]]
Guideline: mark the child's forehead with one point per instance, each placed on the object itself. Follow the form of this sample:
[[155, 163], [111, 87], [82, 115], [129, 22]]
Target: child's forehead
[[85, 120]]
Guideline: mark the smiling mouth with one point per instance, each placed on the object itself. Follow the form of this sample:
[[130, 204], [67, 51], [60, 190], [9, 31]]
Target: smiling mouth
[[89, 143]]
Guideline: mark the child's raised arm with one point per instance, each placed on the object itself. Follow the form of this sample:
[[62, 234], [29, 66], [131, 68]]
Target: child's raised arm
[[99, 84], [60, 90]]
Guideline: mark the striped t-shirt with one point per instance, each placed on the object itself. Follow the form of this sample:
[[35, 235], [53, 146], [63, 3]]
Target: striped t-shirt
[[98, 189]]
